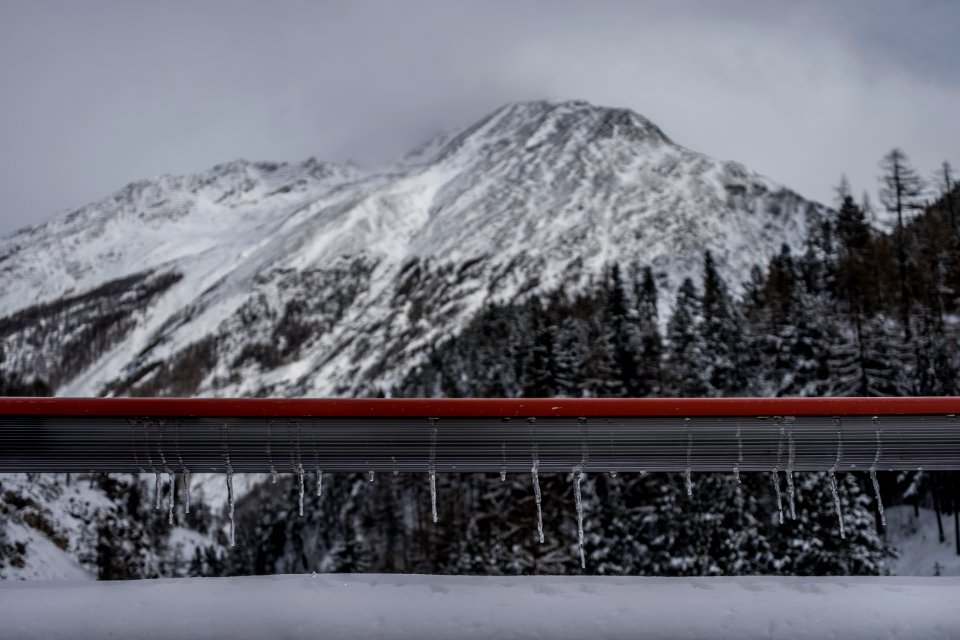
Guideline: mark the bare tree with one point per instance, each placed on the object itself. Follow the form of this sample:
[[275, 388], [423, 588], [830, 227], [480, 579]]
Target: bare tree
[[901, 191], [946, 186]]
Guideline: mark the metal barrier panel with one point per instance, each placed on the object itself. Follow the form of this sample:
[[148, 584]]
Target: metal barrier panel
[[496, 435]]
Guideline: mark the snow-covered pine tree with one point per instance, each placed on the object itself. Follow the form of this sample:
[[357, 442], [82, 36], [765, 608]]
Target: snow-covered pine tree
[[812, 545], [571, 353], [723, 341], [868, 358], [685, 346], [639, 337], [786, 332]]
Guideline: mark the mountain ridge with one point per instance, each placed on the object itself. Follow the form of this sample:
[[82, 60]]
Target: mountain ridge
[[318, 278]]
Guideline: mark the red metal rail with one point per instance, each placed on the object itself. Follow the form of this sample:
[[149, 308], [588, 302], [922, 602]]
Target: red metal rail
[[475, 407]]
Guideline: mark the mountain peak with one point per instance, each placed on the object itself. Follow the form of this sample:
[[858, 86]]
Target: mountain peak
[[600, 121], [576, 123]]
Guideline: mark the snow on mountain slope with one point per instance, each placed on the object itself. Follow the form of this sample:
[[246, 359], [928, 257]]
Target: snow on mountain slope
[[170, 219], [315, 279]]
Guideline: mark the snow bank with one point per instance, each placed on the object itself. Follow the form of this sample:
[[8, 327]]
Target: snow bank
[[424, 607]]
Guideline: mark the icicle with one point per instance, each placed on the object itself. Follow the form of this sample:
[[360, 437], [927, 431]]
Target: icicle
[[173, 491], [687, 474], [370, 475], [134, 423], [230, 504], [534, 471], [503, 455], [613, 474], [273, 469], [836, 501], [393, 459], [778, 421], [184, 473], [146, 444], [839, 426], [577, 477], [319, 483], [161, 427], [503, 462], [776, 487], [791, 495], [228, 468], [537, 497], [584, 448], [736, 467], [433, 494], [300, 480], [873, 471], [156, 493], [876, 492], [186, 491], [433, 467], [791, 458]]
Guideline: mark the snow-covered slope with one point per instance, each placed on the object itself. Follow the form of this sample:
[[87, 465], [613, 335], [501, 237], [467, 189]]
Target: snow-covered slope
[[917, 540], [319, 279], [53, 527]]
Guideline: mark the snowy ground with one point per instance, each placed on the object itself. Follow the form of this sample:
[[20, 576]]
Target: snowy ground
[[425, 607], [917, 540]]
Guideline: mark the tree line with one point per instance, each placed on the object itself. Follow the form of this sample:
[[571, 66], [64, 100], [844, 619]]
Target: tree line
[[862, 308], [865, 307]]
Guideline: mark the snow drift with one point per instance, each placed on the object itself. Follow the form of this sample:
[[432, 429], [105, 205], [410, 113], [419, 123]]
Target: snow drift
[[392, 607]]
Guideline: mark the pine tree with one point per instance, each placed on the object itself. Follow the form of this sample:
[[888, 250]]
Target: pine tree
[[685, 348], [571, 355], [688, 535], [722, 330], [867, 359], [852, 227], [539, 361], [811, 545], [646, 336], [787, 332]]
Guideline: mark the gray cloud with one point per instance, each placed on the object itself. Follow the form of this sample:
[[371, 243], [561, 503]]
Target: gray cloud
[[99, 93]]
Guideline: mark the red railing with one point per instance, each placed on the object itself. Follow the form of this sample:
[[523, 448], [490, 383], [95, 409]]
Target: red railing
[[475, 407]]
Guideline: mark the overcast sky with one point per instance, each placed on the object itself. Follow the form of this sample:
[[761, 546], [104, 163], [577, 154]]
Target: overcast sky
[[98, 93]]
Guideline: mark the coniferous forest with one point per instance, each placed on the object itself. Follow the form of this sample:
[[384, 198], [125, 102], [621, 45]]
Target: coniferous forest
[[869, 305]]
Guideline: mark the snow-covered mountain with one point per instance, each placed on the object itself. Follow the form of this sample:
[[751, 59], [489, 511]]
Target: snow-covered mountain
[[323, 279]]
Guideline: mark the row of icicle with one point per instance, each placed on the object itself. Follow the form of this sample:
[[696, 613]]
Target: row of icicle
[[784, 425]]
